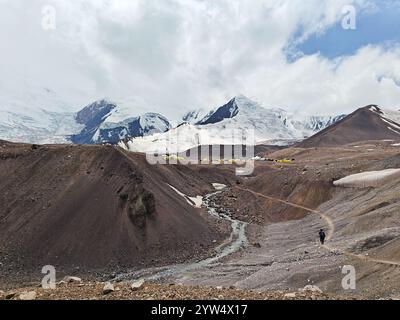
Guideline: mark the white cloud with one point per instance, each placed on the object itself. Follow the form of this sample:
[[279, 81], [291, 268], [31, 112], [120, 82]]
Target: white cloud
[[181, 54]]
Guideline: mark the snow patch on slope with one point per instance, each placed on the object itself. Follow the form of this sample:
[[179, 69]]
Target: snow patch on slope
[[368, 179], [219, 186], [193, 201], [390, 117]]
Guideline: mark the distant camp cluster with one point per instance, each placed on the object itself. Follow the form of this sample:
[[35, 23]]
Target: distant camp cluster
[[174, 157], [273, 160]]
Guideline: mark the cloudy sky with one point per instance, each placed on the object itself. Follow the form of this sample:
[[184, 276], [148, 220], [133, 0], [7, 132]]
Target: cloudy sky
[[173, 55]]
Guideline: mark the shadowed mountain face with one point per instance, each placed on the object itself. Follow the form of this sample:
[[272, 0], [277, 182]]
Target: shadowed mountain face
[[91, 117], [227, 111], [368, 123], [95, 208]]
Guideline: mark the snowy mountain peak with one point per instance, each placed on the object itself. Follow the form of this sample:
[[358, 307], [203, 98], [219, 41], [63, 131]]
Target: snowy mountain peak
[[95, 113], [227, 111], [99, 127], [239, 106], [244, 103], [230, 110]]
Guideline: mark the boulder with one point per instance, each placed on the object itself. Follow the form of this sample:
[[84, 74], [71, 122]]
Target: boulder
[[290, 295], [31, 295], [137, 285], [108, 288], [71, 280]]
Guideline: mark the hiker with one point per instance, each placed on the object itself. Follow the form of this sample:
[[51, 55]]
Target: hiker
[[322, 236]]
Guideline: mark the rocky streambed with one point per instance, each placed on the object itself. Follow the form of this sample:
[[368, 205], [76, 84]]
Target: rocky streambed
[[234, 243]]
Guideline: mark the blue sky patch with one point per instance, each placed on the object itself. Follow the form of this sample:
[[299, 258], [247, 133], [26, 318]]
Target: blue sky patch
[[379, 27]]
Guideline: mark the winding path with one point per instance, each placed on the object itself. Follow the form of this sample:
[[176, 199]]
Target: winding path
[[325, 217], [331, 229]]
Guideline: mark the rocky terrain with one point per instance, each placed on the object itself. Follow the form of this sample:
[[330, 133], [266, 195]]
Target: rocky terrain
[[153, 291], [286, 205], [255, 239]]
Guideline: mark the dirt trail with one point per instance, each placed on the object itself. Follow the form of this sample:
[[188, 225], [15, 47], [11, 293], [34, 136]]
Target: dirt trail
[[331, 230]]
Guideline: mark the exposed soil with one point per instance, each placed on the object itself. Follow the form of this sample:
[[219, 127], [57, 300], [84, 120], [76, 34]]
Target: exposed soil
[[284, 252], [94, 210], [140, 224]]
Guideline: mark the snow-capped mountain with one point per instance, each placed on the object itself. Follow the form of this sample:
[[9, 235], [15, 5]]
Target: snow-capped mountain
[[35, 115], [295, 122], [146, 124], [91, 118], [39, 112], [43, 121], [222, 126], [41, 127], [99, 129]]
